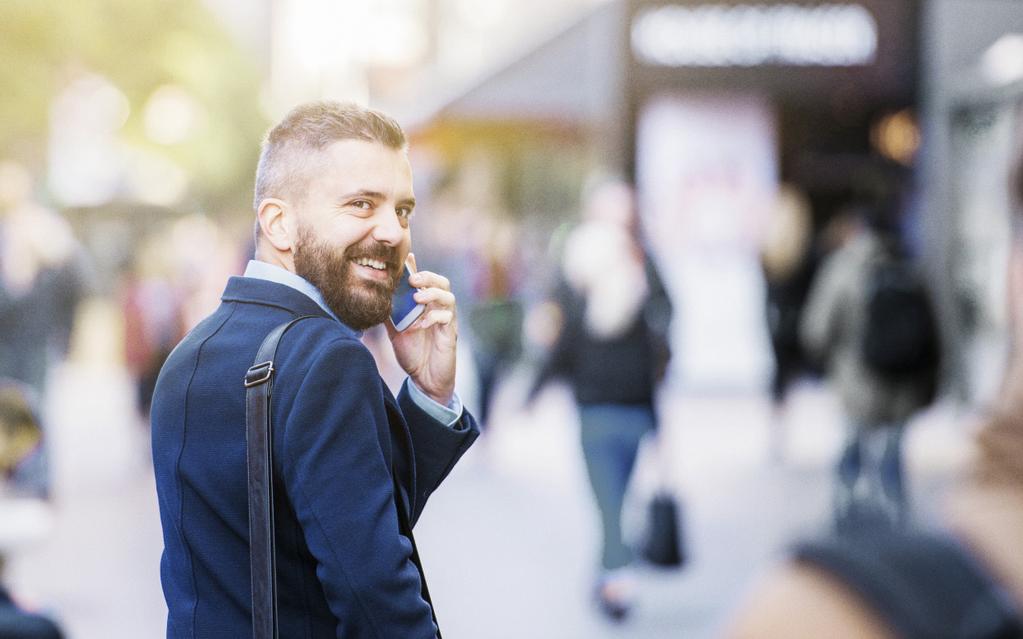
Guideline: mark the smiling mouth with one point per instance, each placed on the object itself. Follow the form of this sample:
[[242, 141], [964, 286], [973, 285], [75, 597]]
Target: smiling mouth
[[378, 265], [374, 269]]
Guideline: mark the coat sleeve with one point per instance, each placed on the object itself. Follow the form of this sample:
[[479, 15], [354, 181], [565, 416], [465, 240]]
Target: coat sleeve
[[437, 447], [339, 482], [819, 328]]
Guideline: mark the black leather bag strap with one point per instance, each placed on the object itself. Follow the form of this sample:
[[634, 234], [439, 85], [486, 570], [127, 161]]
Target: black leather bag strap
[[259, 458]]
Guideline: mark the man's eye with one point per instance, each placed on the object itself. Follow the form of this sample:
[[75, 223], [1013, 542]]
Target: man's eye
[[404, 212], [363, 204]]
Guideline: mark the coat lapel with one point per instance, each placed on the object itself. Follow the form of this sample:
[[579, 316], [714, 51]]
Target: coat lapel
[[403, 464]]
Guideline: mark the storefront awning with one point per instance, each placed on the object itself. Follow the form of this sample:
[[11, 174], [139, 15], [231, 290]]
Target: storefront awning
[[574, 77]]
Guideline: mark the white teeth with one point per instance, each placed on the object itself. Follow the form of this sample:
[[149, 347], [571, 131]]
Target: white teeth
[[377, 264]]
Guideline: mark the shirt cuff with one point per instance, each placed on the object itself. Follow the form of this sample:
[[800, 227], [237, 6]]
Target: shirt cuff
[[447, 415]]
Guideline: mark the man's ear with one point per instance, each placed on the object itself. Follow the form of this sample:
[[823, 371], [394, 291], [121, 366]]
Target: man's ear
[[276, 224]]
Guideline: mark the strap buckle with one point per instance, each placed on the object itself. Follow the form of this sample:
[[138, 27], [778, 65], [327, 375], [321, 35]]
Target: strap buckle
[[259, 374]]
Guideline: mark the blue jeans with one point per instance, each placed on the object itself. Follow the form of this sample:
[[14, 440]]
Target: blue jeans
[[610, 435], [869, 487]]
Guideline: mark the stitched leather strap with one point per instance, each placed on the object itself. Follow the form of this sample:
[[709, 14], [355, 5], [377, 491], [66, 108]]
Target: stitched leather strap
[[259, 456]]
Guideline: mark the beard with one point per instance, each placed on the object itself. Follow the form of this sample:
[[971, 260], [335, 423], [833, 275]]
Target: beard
[[357, 302]]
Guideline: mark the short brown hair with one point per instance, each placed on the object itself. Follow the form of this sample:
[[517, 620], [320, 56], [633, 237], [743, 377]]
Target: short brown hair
[[284, 164]]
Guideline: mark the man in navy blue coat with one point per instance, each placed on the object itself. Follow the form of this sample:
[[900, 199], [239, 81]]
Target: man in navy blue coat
[[352, 462]]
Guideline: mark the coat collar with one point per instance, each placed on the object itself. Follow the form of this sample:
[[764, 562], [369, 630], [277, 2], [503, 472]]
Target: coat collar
[[253, 290]]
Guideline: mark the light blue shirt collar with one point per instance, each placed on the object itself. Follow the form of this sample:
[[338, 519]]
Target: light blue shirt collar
[[266, 271]]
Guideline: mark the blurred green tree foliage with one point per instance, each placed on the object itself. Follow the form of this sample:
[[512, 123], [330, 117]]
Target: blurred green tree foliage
[[139, 46]]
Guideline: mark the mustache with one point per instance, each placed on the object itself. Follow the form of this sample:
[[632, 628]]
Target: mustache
[[376, 251]]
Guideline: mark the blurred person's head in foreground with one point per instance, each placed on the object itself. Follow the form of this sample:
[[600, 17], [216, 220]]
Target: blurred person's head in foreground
[[333, 201], [982, 513]]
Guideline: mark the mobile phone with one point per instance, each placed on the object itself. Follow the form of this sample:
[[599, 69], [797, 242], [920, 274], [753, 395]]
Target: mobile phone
[[404, 309]]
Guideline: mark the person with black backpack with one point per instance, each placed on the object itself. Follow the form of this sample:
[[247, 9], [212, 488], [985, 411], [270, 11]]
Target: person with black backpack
[[870, 320]]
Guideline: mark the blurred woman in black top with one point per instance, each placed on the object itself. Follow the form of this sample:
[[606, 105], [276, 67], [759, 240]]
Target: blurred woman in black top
[[612, 350]]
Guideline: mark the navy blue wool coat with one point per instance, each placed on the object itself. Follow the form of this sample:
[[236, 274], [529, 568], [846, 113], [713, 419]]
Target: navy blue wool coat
[[348, 455]]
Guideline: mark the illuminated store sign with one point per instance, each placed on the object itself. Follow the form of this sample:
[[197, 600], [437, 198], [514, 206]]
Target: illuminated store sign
[[834, 35]]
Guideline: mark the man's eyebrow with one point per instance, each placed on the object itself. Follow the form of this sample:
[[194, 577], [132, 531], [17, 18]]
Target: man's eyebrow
[[373, 195]]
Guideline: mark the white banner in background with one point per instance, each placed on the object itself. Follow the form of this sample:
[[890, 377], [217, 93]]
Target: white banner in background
[[707, 175]]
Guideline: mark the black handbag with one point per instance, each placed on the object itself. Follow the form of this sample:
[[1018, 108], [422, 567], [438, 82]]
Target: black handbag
[[664, 543]]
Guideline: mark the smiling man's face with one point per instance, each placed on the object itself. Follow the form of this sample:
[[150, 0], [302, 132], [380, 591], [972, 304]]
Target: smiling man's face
[[353, 234]]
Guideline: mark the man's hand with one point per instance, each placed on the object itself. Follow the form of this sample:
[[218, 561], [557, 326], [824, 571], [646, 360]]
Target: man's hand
[[426, 349]]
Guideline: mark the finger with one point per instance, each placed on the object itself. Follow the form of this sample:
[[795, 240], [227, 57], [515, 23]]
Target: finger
[[436, 296], [437, 317], [429, 279]]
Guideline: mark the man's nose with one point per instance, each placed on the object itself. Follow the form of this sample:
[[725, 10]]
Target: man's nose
[[388, 228]]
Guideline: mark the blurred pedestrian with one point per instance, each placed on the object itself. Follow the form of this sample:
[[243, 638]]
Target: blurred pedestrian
[[151, 310], [495, 313], [962, 580], [869, 317], [352, 466], [20, 431], [613, 350], [787, 258], [42, 280]]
